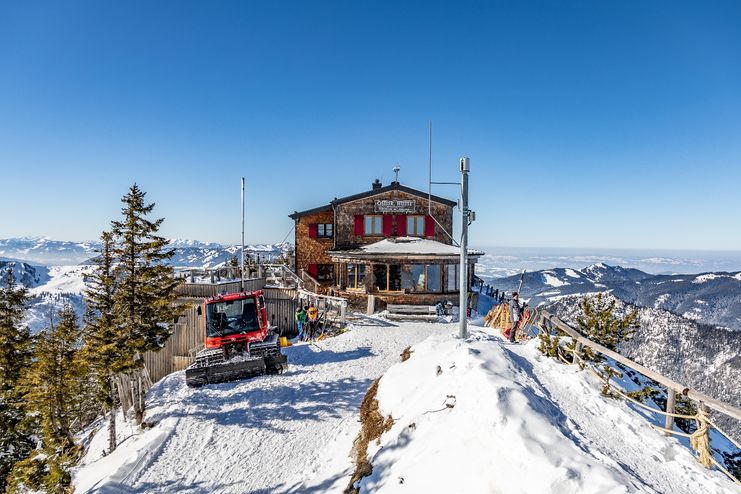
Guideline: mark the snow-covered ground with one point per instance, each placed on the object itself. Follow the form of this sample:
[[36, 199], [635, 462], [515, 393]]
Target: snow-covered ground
[[475, 416], [286, 433], [519, 423]]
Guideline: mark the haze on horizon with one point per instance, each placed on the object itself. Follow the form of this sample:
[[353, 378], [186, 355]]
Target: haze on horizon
[[587, 124]]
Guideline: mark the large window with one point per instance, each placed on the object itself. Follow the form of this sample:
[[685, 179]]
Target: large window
[[416, 226], [452, 274], [373, 224], [324, 230], [434, 278], [325, 272], [423, 278], [355, 275], [387, 276]]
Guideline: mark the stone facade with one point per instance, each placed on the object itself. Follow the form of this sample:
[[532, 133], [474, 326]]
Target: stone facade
[[312, 250], [347, 211]]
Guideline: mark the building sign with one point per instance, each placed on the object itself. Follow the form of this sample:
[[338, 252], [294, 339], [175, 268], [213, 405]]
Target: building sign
[[387, 206]]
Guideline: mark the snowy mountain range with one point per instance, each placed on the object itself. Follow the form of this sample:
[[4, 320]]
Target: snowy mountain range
[[712, 298], [188, 253], [54, 270]]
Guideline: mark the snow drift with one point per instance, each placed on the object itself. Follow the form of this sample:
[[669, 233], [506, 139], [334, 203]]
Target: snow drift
[[483, 416]]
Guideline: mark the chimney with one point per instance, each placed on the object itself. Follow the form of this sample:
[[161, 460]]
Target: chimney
[[376, 184]]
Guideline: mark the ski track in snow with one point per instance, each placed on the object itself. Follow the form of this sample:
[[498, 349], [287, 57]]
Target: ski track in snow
[[299, 425]]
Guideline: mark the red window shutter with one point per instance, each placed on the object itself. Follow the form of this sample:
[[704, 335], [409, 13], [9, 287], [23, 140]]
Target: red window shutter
[[312, 230], [387, 225], [313, 270], [401, 225], [359, 224], [429, 226]]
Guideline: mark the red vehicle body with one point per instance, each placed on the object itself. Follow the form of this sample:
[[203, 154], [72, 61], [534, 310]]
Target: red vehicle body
[[251, 333], [239, 341]]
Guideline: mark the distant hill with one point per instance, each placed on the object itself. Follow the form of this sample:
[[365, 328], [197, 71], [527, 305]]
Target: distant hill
[[24, 273], [712, 298]]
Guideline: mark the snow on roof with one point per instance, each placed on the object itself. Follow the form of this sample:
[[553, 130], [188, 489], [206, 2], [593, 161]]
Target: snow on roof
[[411, 245]]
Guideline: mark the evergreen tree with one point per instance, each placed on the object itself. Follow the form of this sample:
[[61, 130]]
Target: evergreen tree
[[53, 396], [16, 347], [145, 291], [105, 348], [600, 324]]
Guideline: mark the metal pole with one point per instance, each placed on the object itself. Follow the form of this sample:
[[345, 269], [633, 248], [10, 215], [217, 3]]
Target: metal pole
[[465, 167], [241, 275]]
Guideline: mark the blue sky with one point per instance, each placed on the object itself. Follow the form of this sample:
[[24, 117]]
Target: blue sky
[[588, 124]]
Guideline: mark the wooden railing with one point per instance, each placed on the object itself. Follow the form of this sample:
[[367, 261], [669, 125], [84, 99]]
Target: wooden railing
[[310, 283], [544, 321], [280, 275], [327, 304]]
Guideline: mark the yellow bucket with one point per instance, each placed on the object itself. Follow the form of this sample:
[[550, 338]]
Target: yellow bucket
[[284, 342]]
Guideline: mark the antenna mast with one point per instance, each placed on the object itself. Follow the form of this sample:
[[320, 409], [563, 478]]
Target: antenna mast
[[429, 181], [241, 273]]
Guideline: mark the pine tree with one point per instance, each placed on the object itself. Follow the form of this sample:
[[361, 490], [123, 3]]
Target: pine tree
[[600, 324], [16, 347], [53, 396], [105, 349], [145, 291]]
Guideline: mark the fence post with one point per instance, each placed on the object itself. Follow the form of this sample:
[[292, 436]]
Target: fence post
[[700, 440], [343, 312], [671, 401], [371, 304]]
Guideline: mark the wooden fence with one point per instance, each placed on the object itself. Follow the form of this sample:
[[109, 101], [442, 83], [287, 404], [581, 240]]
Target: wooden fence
[[203, 290], [542, 320]]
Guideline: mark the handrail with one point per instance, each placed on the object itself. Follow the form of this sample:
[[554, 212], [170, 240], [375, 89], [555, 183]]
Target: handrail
[[329, 298], [711, 402]]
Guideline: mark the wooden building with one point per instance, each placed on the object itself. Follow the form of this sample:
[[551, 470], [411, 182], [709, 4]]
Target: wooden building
[[391, 241]]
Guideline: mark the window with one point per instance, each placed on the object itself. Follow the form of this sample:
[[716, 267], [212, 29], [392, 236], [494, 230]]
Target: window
[[418, 277], [416, 226], [452, 272], [355, 275], [324, 230], [387, 276], [325, 272], [423, 278], [434, 278], [373, 224]]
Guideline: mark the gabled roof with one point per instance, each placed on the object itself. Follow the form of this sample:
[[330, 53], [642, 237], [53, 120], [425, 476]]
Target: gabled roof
[[373, 192]]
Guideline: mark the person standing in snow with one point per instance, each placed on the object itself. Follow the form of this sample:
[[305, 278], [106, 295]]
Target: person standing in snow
[[300, 322], [313, 318], [516, 313]]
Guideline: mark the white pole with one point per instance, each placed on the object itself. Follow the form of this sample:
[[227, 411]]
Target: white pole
[[241, 275], [463, 321]]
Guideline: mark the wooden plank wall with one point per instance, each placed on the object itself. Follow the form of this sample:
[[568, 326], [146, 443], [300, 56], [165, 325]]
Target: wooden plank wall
[[281, 304], [187, 338]]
